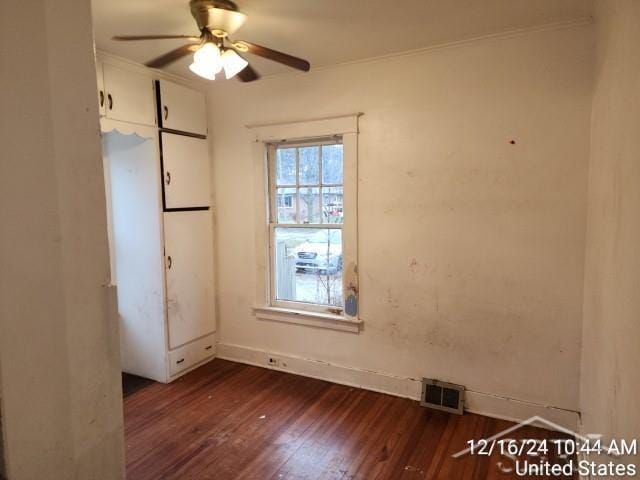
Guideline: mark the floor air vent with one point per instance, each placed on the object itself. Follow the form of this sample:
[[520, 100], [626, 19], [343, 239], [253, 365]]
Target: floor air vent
[[442, 396]]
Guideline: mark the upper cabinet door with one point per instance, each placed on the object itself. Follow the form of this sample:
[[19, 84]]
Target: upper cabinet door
[[102, 97], [182, 109], [185, 161], [129, 95]]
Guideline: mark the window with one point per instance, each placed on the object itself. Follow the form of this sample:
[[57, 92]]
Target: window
[[306, 221]]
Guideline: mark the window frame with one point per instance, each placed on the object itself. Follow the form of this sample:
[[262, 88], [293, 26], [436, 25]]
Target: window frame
[[272, 148], [298, 133]]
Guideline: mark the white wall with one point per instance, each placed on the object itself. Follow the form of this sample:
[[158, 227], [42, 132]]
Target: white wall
[[611, 357], [59, 357], [471, 248]]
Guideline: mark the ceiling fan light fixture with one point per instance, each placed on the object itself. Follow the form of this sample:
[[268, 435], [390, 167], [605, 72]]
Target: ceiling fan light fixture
[[214, 51], [232, 63], [207, 61], [199, 70]]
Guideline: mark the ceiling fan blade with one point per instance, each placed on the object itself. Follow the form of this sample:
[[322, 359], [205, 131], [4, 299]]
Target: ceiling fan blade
[[128, 38], [171, 56], [247, 74], [274, 55]]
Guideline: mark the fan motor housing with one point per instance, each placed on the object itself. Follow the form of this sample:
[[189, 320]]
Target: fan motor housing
[[219, 15]]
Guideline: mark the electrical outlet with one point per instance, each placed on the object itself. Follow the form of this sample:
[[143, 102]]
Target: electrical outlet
[[273, 361]]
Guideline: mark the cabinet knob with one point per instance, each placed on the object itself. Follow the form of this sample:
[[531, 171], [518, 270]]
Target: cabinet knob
[[101, 98], [169, 262], [168, 178], [166, 112], [110, 100]]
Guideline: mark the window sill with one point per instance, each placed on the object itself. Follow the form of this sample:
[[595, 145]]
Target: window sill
[[310, 319]]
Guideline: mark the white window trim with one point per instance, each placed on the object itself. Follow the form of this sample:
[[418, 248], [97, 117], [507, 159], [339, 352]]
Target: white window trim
[[347, 127], [309, 318]]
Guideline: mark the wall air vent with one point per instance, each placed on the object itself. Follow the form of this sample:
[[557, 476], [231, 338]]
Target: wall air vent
[[447, 397]]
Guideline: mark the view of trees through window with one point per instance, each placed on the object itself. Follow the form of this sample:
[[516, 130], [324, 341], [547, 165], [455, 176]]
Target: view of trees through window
[[307, 219]]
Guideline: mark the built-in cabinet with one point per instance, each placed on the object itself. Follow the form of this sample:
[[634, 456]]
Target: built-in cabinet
[[161, 225], [181, 109], [189, 264], [126, 95], [101, 94], [185, 165]]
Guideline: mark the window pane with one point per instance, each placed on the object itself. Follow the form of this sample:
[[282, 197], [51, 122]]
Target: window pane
[[332, 205], [286, 166], [309, 165], [310, 205], [286, 202], [308, 265], [332, 164]]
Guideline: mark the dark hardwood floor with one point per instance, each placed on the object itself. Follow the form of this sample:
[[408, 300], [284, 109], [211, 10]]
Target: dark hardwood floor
[[231, 421]]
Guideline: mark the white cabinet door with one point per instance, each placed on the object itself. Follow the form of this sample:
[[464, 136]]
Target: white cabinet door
[[182, 109], [185, 161], [129, 95], [102, 97], [189, 273]]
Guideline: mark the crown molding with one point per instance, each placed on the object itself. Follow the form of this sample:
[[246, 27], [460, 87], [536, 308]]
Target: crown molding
[[131, 65], [512, 33]]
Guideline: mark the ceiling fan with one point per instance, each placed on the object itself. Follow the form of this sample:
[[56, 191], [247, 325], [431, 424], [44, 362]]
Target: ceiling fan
[[213, 50]]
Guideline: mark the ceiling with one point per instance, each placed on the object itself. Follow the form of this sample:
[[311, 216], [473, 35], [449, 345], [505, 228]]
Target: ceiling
[[327, 32]]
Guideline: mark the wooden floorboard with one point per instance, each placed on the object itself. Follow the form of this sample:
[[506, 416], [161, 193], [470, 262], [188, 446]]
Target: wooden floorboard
[[229, 421]]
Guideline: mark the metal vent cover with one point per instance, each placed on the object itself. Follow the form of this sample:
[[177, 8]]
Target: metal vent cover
[[444, 396]]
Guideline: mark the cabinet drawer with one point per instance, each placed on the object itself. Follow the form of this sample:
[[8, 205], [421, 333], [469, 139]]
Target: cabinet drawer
[[181, 108], [191, 354], [185, 164]]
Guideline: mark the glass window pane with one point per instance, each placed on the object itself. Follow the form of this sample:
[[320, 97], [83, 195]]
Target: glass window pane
[[308, 265], [332, 164], [309, 165], [332, 205], [286, 204], [310, 205], [286, 166]]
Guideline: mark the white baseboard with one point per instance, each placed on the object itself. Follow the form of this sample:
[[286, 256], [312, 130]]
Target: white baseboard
[[504, 408], [398, 386], [494, 406]]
